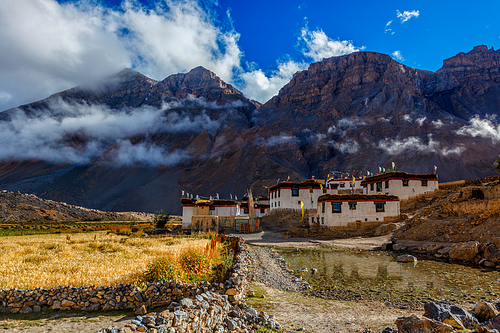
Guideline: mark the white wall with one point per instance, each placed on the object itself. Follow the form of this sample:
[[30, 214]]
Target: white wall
[[187, 213], [223, 211], [365, 212], [347, 183], [287, 201], [396, 187]]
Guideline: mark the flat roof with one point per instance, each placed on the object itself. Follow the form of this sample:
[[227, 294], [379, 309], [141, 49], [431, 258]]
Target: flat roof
[[314, 183], [399, 174]]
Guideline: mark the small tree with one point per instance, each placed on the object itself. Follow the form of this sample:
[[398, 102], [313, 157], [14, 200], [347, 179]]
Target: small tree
[[161, 219], [496, 164]]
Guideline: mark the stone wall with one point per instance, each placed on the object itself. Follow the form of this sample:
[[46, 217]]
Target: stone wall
[[125, 296]]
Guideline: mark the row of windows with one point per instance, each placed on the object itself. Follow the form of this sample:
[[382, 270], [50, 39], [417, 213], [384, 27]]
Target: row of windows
[[295, 192], [406, 182], [337, 207]]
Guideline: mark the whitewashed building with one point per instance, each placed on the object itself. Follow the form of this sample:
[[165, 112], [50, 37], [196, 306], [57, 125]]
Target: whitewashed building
[[287, 195], [261, 206], [402, 184], [340, 210], [194, 207], [346, 184]]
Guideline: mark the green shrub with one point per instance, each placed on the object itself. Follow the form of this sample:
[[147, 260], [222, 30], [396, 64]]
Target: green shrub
[[163, 269]]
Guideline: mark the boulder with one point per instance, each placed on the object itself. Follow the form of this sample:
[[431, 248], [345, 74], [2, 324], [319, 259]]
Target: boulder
[[450, 314], [465, 251], [406, 258], [484, 311], [489, 326], [417, 324], [494, 257]]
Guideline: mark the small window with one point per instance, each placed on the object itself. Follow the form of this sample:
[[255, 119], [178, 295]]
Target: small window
[[380, 207], [406, 182], [324, 190], [311, 190], [379, 187], [322, 220], [371, 187], [295, 191], [246, 211], [278, 203], [352, 205], [212, 208], [262, 211], [279, 192], [272, 194], [342, 185], [323, 207], [424, 182], [386, 184], [336, 207]]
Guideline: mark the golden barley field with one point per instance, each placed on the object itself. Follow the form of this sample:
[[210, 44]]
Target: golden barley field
[[83, 260]]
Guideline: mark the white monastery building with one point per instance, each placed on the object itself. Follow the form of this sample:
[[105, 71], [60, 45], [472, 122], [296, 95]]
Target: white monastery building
[[402, 184], [288, 195], [194, 207], [339, 210]]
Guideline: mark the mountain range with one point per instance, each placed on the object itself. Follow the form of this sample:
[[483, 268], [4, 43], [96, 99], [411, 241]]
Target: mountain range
[[130, 143]]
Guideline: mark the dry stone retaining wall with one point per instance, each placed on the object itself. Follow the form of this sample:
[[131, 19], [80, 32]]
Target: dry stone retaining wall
[[125, 296]]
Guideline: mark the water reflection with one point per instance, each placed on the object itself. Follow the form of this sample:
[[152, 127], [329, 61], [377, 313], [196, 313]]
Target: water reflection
[[380, 274]]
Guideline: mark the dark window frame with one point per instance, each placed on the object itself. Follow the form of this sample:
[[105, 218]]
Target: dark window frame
[[424, 182], [406, 182], [295, 191], [336, 207], [387, 184], [379, 187], [352, 205], [379, 207], [323, 208], [372, 187]]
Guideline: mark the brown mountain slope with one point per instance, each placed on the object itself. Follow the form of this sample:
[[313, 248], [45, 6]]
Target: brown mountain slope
[[132, 143]]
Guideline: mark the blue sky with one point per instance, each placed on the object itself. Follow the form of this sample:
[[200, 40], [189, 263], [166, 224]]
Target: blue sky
[[47, 46]]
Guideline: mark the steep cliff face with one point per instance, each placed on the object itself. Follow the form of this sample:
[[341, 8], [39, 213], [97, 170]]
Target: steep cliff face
[[354, 112]]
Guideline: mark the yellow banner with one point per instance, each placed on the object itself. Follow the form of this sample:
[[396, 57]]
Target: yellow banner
[[302, 209]]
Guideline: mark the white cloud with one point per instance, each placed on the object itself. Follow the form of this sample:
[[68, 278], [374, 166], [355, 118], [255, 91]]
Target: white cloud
[[261, 87], [421, 120], [319, 46], [396, 146], [349, 147], [437, 123], [281, 139], [88, 131], [406, 15], [48, 47], [388, 29], [484, 128], [397, 55], [128, 154]]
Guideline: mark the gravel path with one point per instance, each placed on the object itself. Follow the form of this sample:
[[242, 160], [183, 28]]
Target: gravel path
[[269, 268]]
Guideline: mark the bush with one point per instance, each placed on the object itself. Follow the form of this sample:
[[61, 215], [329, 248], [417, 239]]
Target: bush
[[163, 269], [161, 219]]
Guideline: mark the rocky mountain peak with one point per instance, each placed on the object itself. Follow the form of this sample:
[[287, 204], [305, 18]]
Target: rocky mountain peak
[[480, 56]]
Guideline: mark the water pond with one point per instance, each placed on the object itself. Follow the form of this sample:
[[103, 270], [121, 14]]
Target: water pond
[[350, 274]]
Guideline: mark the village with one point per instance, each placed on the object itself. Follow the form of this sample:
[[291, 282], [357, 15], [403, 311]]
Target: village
[[340, 200]]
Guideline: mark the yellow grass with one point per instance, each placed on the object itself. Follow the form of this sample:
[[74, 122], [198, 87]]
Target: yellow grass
[[51, 260]]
